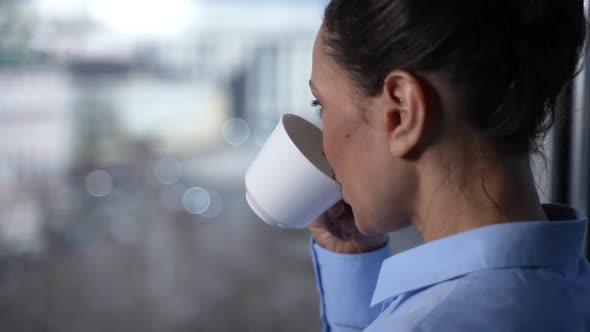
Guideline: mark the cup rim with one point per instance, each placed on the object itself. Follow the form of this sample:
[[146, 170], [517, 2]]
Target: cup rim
[[282, 123]]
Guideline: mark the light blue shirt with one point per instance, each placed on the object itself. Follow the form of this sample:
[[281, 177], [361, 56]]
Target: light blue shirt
[[521, 276]]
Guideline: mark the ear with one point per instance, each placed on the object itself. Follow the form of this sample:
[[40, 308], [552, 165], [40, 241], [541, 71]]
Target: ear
[[405, 111]]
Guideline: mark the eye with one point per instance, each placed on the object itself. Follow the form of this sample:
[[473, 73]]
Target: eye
[[318, 108]]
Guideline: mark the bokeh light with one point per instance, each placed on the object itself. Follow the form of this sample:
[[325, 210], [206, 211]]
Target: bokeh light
[[168, 171], [236, 131], [196, 200], [99, 183]]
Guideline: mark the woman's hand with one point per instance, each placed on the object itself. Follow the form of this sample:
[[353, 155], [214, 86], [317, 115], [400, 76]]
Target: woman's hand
[[335, 230]]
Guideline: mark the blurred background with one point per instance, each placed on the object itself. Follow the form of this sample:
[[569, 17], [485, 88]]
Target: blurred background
[[126, 129]]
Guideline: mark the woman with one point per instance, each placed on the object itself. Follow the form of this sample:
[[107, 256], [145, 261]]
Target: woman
[[431, 110]]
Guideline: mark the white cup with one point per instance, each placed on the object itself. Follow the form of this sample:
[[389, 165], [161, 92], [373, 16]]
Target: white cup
[[290, 182]]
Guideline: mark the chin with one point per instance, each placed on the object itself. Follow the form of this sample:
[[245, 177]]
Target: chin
[[367, 224], [372, 226], [367, 231], [365, 228]]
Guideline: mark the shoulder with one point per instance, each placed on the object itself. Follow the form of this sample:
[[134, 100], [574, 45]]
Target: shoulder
[[408, 310], [512, 299]]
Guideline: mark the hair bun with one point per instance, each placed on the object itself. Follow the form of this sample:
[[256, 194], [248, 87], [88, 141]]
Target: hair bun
[[546, 50]]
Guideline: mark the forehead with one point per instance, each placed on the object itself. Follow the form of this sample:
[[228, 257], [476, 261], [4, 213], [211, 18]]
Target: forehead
[[318, 54], [324, 69]]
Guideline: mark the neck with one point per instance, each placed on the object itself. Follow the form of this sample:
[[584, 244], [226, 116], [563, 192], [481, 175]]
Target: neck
[[468, 195]]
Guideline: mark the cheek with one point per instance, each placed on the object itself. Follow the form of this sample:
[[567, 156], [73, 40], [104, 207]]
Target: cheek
[[336, 143], [349, 163], [330, 144]]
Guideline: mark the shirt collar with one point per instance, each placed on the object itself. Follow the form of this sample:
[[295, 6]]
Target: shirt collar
[[517, 244]]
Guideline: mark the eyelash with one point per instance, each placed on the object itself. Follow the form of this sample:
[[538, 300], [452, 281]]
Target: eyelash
[[315, 103]]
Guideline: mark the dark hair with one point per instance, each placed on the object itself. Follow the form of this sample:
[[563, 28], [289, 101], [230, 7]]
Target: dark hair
[[510, 59]]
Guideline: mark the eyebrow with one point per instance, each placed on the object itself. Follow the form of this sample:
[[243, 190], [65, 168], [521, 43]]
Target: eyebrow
[[312, 85]]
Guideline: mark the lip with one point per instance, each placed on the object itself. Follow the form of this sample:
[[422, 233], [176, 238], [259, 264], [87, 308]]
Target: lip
[[341, 187], [344, 196], [336, 179]]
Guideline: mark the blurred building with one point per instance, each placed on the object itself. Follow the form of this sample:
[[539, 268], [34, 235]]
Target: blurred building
[[35, 150]]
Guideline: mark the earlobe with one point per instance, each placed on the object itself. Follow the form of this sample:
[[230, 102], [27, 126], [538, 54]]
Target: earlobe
[[406, 115]]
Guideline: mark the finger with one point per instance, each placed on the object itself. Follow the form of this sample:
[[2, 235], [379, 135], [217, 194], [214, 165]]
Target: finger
[[347, 224], [333, 227], [352, 220], [343, 227], [337, 210]]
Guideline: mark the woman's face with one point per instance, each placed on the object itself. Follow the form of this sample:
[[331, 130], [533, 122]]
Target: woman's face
[[357, 140]]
